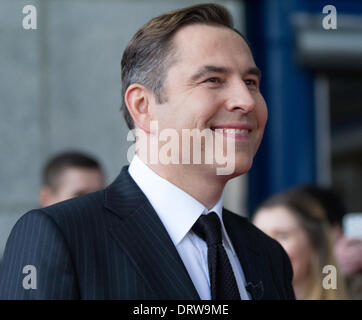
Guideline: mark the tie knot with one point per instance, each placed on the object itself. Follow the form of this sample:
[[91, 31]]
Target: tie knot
[[208, 227]]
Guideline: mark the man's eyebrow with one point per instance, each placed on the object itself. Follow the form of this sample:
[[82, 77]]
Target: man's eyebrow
[[205, 70], [255, 71]]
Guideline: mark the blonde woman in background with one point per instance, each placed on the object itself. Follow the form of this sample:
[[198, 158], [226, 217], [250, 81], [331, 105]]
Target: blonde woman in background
[[297, 221]]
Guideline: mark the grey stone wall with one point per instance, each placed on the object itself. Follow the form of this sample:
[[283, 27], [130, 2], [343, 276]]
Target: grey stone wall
[[60, 88]]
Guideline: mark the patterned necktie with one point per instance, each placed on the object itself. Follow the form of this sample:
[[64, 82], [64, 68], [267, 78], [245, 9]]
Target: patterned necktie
[[222, 279]]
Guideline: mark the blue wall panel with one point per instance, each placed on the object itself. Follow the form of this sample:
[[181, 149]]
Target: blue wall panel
[[287, 155]]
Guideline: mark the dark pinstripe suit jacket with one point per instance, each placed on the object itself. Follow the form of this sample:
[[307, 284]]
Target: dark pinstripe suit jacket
[[111, 245]]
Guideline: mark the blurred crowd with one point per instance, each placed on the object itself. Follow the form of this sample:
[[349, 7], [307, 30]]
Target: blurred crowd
[[308, 222], [70, 174]]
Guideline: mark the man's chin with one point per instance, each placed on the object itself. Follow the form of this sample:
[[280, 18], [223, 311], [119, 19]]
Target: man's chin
[[232, 169], [241, 169]]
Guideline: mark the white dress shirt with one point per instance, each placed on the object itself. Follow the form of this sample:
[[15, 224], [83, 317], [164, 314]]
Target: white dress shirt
[[178, 212]]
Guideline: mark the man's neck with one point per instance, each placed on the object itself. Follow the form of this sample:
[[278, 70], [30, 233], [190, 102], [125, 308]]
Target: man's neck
[[205, 189]]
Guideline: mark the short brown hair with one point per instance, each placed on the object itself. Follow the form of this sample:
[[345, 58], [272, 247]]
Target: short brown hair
[[55, 166], [150, 52]]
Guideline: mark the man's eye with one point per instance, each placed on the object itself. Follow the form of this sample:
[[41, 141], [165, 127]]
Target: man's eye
[[251, 82], [213, 80]]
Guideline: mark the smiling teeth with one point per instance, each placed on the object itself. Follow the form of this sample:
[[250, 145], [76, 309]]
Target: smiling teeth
[[234, 131]]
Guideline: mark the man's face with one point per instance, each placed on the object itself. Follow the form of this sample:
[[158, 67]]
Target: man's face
[[73, 182], [214, 84]]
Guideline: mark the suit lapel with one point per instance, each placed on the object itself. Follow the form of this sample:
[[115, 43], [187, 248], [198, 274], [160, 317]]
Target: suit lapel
[[251, 261], [142, 236]]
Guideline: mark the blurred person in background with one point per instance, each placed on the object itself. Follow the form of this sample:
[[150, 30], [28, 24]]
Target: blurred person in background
[[299, 223], [347, 250], [68, 175]]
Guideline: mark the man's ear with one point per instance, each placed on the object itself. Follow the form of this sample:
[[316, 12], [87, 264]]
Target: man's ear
[[138, 98]]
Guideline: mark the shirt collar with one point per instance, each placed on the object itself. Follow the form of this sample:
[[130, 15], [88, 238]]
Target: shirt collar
[[177, 210]]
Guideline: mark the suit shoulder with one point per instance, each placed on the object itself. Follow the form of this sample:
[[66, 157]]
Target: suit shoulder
[[72, 213], [84, 205], [73, 216]]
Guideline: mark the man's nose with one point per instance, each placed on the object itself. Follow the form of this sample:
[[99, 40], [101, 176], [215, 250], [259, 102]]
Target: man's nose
[[240, 98]]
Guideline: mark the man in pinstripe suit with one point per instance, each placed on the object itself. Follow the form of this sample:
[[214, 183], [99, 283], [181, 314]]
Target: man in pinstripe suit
[[185, 69]]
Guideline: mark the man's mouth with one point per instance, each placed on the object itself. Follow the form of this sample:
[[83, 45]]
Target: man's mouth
[[239, 132]]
